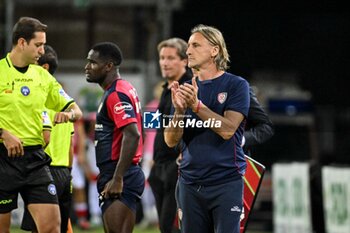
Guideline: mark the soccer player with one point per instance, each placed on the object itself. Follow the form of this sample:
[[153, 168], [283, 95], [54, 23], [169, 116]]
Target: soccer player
[[60, 150], [25, 90], [118, 139], [208, 126]]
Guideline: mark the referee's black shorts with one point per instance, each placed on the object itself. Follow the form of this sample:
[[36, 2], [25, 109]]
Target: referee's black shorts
[[28, 175], [62, 178]]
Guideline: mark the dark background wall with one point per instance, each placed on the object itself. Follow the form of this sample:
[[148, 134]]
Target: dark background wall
[[311, 37]]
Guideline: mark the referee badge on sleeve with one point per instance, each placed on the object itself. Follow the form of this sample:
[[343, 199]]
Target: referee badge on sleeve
[[65, 95], [46, 118]]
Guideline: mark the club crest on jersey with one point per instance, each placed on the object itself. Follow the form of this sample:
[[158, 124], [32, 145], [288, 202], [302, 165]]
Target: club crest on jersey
[[222, 97], [25, 90], [122, 107]]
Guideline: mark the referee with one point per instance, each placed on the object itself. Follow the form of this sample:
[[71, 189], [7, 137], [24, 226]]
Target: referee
[[25, 90], [60, 150]]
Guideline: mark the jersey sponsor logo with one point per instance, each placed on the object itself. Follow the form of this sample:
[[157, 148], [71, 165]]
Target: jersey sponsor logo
[[122, 107], [25, 90], [52, 189], [126, 116], [5, 202], [23, 80], [98, 127], [222, 97]]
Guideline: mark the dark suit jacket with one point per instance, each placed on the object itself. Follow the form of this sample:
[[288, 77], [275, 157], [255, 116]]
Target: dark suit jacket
[[259, 126]]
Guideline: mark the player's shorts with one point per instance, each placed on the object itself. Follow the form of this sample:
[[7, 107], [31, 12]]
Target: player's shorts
[[214, 208], [28, 175], [62, 178], [133, 186]]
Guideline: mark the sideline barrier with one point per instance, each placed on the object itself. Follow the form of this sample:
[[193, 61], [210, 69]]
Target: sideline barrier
[[336, 198], [252, 181], [291, 198]]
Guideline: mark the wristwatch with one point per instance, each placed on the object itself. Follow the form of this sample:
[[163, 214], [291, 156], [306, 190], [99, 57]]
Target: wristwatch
[[72, 118]]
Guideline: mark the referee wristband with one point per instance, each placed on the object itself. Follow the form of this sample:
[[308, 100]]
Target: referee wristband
[[198, 106]]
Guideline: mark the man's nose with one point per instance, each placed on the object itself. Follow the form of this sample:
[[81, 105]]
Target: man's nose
[[41, 50]]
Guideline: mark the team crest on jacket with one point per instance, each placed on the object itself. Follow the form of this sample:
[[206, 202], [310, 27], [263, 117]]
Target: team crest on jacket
[[222, 97]]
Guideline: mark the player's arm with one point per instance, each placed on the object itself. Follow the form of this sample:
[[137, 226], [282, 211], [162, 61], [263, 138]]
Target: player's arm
[[131, 137]]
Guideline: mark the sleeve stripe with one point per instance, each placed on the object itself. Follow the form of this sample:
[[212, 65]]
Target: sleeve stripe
[[67, 105]]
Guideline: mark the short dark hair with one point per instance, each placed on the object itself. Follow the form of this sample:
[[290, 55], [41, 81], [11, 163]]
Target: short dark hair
[[109, 51], [25, 28], [50, 57]]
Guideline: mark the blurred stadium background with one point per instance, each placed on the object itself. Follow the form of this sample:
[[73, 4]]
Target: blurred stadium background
[[294, 53]]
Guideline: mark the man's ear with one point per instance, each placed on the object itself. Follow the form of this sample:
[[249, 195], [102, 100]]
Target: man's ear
[[20, 42], [46, 66], [215, 51], [110, 66]]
